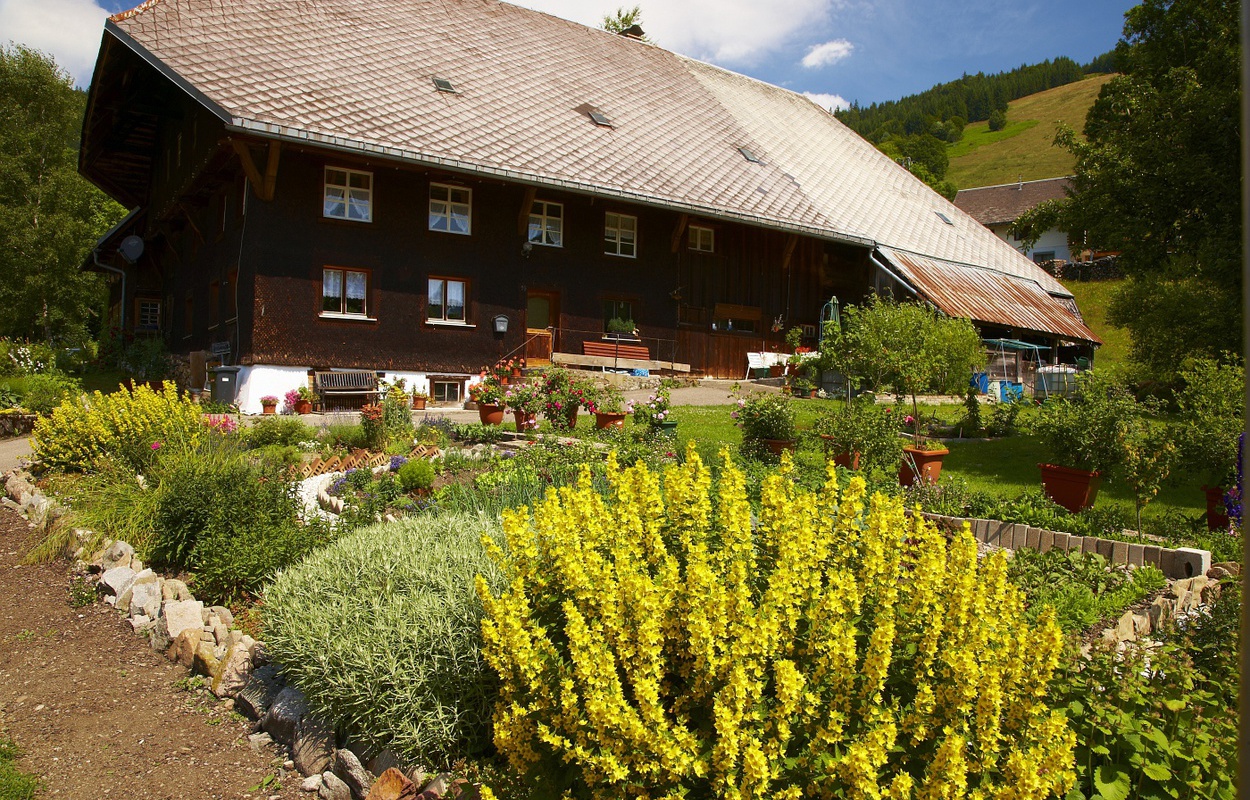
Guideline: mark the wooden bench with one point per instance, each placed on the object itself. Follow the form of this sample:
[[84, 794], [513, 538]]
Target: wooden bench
[[345, 383], [636, 352]]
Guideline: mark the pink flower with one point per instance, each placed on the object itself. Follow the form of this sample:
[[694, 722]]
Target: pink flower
[[733, 414], [156, 445]]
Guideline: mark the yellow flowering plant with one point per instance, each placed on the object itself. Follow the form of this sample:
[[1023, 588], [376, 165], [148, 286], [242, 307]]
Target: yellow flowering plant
[[660, 641], [126, 426]]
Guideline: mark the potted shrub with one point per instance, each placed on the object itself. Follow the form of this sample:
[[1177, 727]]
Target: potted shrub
[[1210, 405], [922, 461], [563, 395], [656, 413], [610, 408], [488, 395], [524, 400], [767, 422], [300, 400], [803, 385], [861, 436], [419, 399], [618, 328], [269, 404]]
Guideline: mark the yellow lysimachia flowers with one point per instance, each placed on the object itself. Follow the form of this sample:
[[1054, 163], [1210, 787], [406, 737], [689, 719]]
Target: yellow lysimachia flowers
[[659, 641]]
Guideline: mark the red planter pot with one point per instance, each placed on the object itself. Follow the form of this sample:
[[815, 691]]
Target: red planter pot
[[776, 370], [1217, 520], [490, 415], [921, 466], [418, 403], [841, 458], [603, 420], [525, 422], [267, 410], [516, 372], [779, 446], [303, 407], [1074, 489]]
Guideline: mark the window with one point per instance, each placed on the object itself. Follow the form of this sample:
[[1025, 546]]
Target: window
[[447, 301], [618, 316], [620, 235], [449, 208], [445, 391], [348, 195], [547, 223], [444, 85], [343, 291], [1043, 257], [148, 317], [701, 239]]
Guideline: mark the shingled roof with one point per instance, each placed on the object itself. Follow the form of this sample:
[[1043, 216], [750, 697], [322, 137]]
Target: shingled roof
[[358, 75], [1004, 203]]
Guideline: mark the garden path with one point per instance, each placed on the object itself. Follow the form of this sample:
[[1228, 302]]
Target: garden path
[[95, 711], [11, 453]]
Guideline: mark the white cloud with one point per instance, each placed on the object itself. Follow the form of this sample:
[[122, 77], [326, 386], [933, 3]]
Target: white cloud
[[822, 55], [724, 31], [830, 101], [69, 30]]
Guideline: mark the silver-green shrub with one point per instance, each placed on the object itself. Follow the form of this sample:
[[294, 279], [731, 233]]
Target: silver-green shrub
[[381, 630]]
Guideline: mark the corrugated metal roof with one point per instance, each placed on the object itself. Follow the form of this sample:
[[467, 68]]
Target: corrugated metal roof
[[984, 295]]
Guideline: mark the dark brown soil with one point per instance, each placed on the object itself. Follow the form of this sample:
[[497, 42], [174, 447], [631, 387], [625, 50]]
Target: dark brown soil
[[96, 713]]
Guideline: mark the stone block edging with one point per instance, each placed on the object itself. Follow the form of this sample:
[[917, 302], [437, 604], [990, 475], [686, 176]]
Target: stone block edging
[[1175, 563]]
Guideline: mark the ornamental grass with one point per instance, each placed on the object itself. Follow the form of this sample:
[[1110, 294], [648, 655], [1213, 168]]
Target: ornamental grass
[[660, 642]]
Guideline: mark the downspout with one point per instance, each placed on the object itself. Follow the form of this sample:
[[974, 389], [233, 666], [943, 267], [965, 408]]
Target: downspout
[[872, 256], [95, 258]]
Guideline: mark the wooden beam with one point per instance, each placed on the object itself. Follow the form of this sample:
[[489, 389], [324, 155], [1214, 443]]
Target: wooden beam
[[791, 243], [249, 166], [271, 171], [187, 213], [575, 360], [682, 222], [523, 219]]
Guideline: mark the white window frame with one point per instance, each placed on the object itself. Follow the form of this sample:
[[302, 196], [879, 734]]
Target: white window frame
[[352, 196], [614, 243], [343, 313], [444, 208], [540, 225], [462, 322], [696, 235], [139, 314], [436, 383]]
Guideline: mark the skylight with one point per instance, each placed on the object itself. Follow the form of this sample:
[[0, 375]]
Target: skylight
[[600, 119], [750, 155], [944, 218], [444, 85]]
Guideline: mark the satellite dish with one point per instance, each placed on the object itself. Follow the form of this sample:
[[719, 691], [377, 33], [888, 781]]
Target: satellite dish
[[131, 248]]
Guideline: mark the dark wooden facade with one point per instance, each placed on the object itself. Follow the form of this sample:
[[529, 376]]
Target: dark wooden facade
[[240, 261]]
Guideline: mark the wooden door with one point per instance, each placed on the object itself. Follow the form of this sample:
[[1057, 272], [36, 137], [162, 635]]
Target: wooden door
[[542, 327]]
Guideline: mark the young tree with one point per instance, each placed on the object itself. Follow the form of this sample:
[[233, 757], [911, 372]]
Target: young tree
[[49, 215], [624, 19], [1156, 180]]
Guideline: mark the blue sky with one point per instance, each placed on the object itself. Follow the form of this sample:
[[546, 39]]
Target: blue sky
[[834, 50]]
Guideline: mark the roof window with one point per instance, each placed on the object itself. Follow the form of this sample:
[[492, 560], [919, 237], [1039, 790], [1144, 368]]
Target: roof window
[[750, 155], [444, 85], [944, 218], [600, 119]]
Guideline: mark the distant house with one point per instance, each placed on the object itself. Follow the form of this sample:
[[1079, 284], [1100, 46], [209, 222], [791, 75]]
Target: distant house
[[997, 207], [384, 185]]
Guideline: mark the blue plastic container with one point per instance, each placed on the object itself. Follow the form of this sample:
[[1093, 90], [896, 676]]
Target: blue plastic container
[[980, 382]]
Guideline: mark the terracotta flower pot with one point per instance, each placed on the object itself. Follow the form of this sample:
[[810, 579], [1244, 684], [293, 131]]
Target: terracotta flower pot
[[921, 465], [525, 422], [269, 408], [605, 420], [1217, 519], [779, 446], [418, 403], [516, 372], [303, 406], [490, 415], [776, 370], [1074, 489]]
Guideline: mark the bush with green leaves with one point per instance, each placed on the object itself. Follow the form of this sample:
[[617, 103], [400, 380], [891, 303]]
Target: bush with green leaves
[[276, 430], [865, 427], [42, 393], [417, 473], [477, 432], [381, 631], [1210, 402], [1083, 587]]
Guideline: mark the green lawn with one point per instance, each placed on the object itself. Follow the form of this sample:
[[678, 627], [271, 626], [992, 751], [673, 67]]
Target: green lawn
[[1093, 298], [14, 784], [1004, 467]]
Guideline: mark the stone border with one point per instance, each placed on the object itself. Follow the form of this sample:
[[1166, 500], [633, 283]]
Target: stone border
[[1176, 564], [17, 424]]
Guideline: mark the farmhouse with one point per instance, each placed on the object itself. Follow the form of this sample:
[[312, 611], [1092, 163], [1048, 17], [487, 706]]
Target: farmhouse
[[997, 207], [422, 188]]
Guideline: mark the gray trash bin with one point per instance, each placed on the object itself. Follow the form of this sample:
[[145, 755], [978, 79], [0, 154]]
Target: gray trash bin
[[225, 384]]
